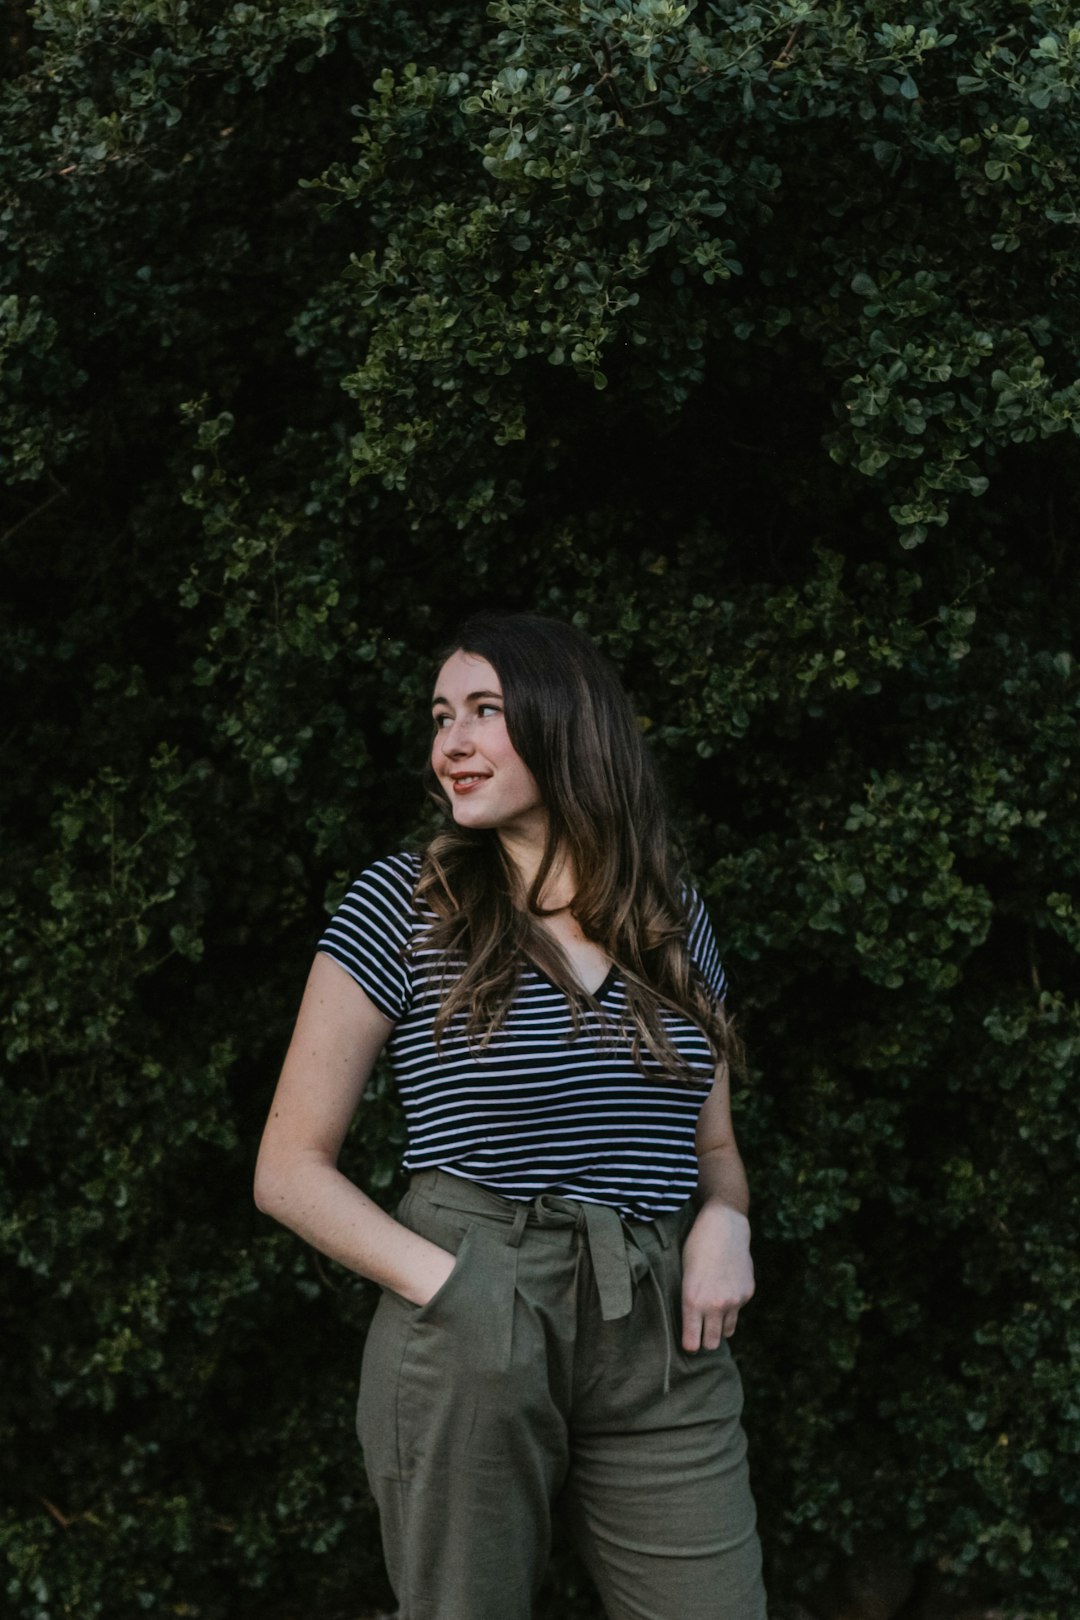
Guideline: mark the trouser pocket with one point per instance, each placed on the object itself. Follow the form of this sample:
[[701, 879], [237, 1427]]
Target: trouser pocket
[[455, 1348]]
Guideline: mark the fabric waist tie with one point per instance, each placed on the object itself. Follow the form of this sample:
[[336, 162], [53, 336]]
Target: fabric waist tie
[[607, 1245], [616, 1258]]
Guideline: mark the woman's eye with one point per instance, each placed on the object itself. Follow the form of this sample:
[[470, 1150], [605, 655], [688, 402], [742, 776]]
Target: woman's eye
[[488, 708], [440, 721]]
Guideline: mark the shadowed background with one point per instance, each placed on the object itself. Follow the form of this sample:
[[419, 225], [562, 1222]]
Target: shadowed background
[[744, 336]]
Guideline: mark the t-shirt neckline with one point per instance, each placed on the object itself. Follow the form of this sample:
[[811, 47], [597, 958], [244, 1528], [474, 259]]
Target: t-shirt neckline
[[594, 995]]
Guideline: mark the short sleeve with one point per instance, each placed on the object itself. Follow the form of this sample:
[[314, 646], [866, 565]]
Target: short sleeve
[[702, 946], [369, 933]]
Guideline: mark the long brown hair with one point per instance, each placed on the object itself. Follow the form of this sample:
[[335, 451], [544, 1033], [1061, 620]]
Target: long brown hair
[[572, 724]]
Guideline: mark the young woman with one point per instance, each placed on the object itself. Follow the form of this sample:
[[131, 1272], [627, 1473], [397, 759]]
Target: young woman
[[563, 1276]]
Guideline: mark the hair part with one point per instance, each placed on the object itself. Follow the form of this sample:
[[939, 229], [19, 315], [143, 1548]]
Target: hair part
[[571, 722]]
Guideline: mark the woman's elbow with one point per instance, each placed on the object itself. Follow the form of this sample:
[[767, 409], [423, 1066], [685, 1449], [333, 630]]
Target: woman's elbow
[[271, 1187], [284, 1175], [264, 1195]]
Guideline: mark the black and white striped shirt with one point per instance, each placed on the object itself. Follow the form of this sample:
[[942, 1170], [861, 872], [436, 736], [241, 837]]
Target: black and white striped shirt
[[535, 1111]]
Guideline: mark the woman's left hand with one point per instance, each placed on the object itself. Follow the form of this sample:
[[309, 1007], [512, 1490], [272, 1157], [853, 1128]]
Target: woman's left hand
[[718, 1275]]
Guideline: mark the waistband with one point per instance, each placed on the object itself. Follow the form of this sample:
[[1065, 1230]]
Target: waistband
[[616, 1257]]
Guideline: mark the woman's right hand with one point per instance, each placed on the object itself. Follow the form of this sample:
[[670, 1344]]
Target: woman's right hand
[[435, 1274]]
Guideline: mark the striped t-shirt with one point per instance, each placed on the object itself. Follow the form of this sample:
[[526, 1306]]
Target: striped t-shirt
[[536, 1110]]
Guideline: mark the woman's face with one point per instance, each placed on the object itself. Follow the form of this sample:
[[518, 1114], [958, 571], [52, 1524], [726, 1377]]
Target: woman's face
[[486, 781]]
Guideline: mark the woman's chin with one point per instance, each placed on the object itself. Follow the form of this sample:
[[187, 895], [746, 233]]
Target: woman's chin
[[470, 815]]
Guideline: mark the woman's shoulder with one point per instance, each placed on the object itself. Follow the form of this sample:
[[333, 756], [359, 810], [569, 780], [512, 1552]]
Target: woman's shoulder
[[404, 866], [691, 902], [388, 884], [701, 941], [370, 932]]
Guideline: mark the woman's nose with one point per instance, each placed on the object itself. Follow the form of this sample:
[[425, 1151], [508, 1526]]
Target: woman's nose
[[454, 740]]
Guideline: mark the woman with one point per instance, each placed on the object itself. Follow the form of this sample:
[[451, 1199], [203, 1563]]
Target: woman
[[568, 1265]]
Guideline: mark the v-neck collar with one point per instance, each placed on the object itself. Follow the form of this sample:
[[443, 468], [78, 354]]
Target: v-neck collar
[[594, 995]]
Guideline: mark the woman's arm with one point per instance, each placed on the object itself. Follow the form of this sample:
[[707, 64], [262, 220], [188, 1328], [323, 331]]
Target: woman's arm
[[339, 1033], [718, 1274]]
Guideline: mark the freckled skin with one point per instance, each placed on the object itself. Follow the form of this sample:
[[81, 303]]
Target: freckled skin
[[471, 739]]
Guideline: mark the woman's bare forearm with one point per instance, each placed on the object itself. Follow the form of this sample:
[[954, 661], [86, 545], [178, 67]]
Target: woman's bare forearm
[[338, 1036], [312, 1198], [722, 1178], [718, 1274]]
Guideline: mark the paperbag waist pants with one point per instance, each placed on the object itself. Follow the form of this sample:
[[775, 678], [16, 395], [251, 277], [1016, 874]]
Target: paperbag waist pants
[[547, 1369]]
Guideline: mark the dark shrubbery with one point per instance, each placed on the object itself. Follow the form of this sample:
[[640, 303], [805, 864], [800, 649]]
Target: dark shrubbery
[[745, 335]]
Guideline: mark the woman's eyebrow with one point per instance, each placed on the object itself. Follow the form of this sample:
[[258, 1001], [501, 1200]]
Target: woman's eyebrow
[[473, 697]]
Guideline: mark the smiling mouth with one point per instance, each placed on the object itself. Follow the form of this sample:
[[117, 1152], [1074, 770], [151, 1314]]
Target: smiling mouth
[[463, 784]]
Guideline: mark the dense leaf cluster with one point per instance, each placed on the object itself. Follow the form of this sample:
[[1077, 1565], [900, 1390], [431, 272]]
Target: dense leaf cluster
[[748, 337]]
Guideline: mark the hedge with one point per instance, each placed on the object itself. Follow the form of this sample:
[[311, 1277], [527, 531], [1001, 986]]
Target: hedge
[[744, 336]]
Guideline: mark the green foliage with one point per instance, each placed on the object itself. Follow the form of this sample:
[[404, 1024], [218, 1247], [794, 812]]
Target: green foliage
[[747, 337]]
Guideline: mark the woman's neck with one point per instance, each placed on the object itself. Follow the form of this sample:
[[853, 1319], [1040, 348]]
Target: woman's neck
[[527, 852]]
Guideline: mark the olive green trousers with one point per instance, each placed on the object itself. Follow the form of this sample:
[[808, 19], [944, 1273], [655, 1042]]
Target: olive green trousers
[[546, 1374]]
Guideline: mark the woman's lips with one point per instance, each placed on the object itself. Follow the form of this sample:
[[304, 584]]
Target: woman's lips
[[467, 784]]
